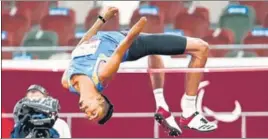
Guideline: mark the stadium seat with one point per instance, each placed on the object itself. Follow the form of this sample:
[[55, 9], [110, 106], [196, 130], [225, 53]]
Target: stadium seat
[[257, 36], [37, 9], [7, 55], [238, 18], [240, 53], [92, 17], [219, 37], [5, 11], [192, 22], [144, 3], [74, 41], [53, 4], [260, 8], [155, 18], [61, 21], [174, 32], [42, 39], [60, 56], [16, 22], [169, 8], [7, 40], [22, 56], [202, 12], [6, 6], [265, 22]]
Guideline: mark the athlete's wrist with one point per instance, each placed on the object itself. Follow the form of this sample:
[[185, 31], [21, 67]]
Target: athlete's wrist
[[102, 18], [97, 25]]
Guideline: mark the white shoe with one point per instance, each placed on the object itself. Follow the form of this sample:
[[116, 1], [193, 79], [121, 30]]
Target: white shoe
[[198, 122], [167, 121]]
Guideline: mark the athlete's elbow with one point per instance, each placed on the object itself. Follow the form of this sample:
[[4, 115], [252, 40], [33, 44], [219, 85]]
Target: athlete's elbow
[[64, 83]]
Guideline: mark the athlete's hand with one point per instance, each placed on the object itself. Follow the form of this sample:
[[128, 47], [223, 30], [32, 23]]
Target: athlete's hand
[[135, 31], [109, 12]]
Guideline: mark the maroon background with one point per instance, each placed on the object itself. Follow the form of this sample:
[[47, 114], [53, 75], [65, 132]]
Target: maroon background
[[133, 93]]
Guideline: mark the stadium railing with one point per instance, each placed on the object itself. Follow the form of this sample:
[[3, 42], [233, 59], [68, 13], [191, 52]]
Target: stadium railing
[[70, 116]]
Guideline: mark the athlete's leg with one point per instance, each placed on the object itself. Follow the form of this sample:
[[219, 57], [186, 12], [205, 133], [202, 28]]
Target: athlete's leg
[[163, 44], [198, 49], [157, 80], [163, 116]]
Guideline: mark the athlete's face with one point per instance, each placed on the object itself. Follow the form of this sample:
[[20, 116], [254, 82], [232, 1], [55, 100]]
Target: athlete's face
[[96, 109]]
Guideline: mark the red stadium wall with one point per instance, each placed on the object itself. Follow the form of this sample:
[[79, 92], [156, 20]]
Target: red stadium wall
[[6, 127], [132, 93]]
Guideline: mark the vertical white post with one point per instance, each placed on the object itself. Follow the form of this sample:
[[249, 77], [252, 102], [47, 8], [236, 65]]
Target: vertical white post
[[69, 122], [156, 130], [243, 127]]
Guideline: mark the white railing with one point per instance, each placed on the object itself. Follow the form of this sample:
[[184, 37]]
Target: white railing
[[69, 48], [70, 116]]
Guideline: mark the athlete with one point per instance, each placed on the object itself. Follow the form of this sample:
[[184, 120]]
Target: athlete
[[97, 58]]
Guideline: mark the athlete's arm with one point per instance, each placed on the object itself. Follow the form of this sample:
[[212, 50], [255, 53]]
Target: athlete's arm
[[108, 14], [64, 80], [113, 63]]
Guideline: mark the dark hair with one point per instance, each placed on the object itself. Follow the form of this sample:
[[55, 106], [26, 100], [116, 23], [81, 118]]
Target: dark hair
[[109, 113], [37, 88]]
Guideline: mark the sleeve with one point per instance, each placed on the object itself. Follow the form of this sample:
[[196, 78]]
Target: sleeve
[[63, 128], [16, 109]]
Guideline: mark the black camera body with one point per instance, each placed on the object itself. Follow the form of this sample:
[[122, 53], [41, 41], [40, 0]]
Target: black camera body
[[36, 117], [40, 133], [37, 124], [41, 127]]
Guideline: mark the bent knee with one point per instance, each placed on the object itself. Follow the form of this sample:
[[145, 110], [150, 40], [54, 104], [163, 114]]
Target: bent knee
[[197, 47], [203, 47]]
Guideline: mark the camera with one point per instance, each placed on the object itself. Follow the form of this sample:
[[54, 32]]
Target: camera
[[36, 123], [35, 116], [41, 133], [41, 125]]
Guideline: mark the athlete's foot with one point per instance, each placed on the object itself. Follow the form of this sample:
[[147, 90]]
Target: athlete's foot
[[198, 122], [167, 121]]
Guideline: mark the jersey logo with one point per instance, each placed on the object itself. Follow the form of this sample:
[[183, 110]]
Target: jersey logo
[[86, 48]]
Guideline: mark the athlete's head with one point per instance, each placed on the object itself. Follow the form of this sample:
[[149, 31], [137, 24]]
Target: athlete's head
[[98, 110], [108, 111]]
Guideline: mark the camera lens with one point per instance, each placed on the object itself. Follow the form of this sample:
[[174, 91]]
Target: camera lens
[[41, 134]]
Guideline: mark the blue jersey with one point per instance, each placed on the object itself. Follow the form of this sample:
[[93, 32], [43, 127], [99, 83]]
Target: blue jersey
[[87, 56]]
